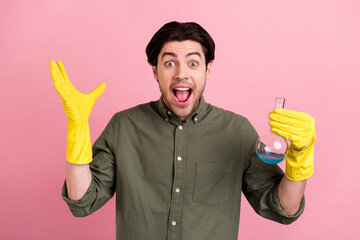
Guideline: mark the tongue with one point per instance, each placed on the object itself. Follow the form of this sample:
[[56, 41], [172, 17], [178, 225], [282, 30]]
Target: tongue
[[182, 96]]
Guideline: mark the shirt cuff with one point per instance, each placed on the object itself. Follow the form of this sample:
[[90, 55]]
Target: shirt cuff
[[285, 217], [83, 206]]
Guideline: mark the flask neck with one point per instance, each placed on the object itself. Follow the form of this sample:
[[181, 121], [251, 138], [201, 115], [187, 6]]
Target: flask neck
[[279, 102]]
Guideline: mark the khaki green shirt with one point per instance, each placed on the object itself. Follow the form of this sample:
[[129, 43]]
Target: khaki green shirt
[[180, 180]]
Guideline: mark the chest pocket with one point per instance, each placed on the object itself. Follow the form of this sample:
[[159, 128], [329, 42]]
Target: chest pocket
[[212, 183]]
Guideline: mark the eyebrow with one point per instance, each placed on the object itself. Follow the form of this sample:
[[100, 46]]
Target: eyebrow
[[174, 55]]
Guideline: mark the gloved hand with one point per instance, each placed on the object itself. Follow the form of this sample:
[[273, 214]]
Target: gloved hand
[[299, 129], [77, 107]]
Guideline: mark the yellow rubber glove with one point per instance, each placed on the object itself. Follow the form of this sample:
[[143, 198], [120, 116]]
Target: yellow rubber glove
[[299, 129], [77, 107]]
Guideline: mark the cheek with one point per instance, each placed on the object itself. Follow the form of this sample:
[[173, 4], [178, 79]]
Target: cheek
[[165, 77], [161, 72], [200, 79], [163, 82]]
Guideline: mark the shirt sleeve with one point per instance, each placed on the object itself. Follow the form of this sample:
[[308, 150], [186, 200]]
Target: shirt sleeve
[[103, 169], [261, 182]]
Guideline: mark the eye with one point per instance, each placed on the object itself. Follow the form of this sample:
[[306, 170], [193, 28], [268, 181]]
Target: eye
[[169, 63], [193, 64]]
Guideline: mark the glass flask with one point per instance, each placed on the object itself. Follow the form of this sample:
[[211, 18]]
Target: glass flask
[[272, 148]]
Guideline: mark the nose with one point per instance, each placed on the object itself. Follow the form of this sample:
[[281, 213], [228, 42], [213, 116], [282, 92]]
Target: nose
[[182, 72]]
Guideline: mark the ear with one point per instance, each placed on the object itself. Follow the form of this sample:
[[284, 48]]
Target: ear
[[208, 70], [154, 69]]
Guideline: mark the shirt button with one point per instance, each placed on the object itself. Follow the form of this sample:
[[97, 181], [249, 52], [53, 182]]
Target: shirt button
[[177, 190], [196, 119], [166, 119], [173, 223], [179, 158], [180, 127], [169, 113]]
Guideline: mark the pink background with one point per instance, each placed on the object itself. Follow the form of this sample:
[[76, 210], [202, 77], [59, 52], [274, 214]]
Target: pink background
[[305, 50]]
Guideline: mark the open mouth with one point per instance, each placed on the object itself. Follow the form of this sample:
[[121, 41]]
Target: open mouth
[[182, 94]]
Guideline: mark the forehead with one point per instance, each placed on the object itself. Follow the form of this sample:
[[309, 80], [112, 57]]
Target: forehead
[[182, 48]]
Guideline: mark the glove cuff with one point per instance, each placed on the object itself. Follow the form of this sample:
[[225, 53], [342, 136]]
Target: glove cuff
[[300, 164], [78, 149]]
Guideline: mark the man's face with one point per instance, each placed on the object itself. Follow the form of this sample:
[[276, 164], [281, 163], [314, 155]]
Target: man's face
[[182, 73]]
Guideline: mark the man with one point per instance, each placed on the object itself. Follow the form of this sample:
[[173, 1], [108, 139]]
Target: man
[[178, 165]]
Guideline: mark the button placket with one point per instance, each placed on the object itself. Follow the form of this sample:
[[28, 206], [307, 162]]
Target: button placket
[[178, 182]]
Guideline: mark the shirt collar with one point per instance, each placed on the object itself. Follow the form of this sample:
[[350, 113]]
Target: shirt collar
[[199, 113]]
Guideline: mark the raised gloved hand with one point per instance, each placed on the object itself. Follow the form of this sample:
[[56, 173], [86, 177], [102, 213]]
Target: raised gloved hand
[[299, 129], [77, 107]]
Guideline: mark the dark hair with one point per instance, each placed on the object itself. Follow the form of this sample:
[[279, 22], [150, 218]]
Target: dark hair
[[175, 31]]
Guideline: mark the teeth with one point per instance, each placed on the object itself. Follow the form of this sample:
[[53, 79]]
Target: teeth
[[182, 89]]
